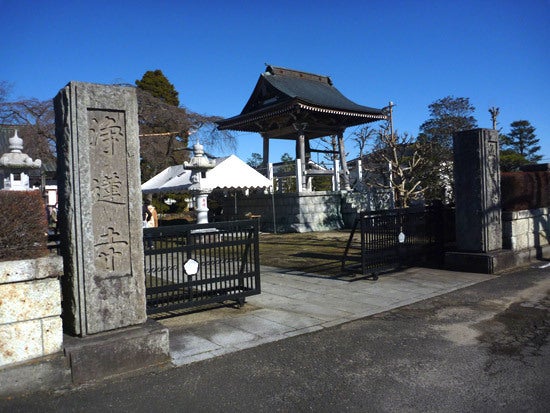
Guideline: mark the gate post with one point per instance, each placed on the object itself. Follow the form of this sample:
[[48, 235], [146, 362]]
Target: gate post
[[478, 211], [100, 218]]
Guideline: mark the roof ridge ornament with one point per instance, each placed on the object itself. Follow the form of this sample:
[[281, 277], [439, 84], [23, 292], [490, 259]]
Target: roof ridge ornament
[[283, 71]]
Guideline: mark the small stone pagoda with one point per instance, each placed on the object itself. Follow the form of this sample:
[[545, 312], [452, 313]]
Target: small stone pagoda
[[15, 164]]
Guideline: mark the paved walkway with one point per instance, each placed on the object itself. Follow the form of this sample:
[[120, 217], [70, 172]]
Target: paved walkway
[[293, 303]]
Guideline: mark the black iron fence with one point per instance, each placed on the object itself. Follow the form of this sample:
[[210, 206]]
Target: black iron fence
[[390, 239], [194, 265]]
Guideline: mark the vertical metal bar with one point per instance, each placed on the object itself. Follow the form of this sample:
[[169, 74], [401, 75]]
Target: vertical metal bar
[[257, 281], [224, 239], [208, 273], [212, 285], [363, 219], [244, 257]]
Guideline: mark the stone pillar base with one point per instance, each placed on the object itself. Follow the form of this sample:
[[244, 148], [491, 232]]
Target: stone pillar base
[[107, 354], [481, 262]]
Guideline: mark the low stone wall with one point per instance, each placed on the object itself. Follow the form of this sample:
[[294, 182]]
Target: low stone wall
[[373, 199], [312, 211], [30, 316], [527, 229]]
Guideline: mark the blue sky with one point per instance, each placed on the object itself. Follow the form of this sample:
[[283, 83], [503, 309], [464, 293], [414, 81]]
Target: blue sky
[[496, 53]]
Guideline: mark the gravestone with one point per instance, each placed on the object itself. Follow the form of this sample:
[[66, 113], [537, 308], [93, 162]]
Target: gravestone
[[478, 210], [101, 227]]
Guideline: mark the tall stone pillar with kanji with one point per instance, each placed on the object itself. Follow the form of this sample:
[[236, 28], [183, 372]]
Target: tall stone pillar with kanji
[[478, 210], [100, 208], [477, 190], [103, 284]]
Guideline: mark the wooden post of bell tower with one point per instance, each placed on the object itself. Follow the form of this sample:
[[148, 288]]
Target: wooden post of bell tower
[[343, 162], [301, 155], [265, 155]]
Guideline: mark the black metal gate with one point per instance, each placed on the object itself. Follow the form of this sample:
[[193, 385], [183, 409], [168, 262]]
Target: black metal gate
[[193, 265], [398, 238]]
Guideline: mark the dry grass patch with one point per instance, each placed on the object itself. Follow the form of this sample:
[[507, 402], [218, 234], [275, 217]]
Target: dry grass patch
[[313, 252]]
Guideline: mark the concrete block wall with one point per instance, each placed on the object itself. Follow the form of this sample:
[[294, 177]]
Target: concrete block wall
[[526, 229], [30, 315]]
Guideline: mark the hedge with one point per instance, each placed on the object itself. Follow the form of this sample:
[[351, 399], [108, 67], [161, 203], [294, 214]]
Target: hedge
[[525, 190], [23, 232]]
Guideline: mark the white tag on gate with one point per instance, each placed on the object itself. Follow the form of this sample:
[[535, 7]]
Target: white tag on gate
[[401, 238]]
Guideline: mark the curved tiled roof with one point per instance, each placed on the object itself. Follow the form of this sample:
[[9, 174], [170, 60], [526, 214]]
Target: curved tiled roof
[[281, 92], [313, 89]]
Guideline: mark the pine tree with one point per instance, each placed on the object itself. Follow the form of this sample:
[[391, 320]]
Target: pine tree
[[447, 116], [255, 160], [158, 85], [523, 141]]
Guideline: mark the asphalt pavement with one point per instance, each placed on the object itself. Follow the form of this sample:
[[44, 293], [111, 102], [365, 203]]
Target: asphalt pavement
[[417, 340]]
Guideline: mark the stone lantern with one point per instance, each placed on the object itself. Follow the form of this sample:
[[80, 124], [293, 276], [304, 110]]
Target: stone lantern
[[15, 163], [199, 165]]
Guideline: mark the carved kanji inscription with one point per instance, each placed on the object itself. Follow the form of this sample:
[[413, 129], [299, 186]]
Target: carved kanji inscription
[[109, 189]]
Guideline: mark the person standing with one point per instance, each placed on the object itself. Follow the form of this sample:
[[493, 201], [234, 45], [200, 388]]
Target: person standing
[[152, 221], [53, 218], [146, 215]]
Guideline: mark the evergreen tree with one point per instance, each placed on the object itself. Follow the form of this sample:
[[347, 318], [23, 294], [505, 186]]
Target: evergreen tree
[[447, 116], [255, 160], [510, 160], [523, 141], [158, 85], [288, 167]]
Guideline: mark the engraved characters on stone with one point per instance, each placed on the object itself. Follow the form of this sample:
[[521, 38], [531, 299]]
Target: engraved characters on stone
[[109, 192]]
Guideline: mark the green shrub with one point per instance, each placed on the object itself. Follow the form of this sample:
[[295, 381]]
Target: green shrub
[[23, 233]]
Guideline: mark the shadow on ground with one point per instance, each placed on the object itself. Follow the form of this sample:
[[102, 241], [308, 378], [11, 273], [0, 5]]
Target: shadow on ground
[[319, 253]]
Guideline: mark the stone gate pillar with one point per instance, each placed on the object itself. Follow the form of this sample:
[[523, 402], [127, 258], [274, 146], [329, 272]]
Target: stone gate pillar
[[477, 194], [100, 221], [100, 197], [477, 190]]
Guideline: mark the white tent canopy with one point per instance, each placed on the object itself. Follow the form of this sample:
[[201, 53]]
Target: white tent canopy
[[155, 183], [229, 173]]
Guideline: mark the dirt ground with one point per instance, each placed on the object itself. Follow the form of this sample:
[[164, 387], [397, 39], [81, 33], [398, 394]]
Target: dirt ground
[[314, 252]]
